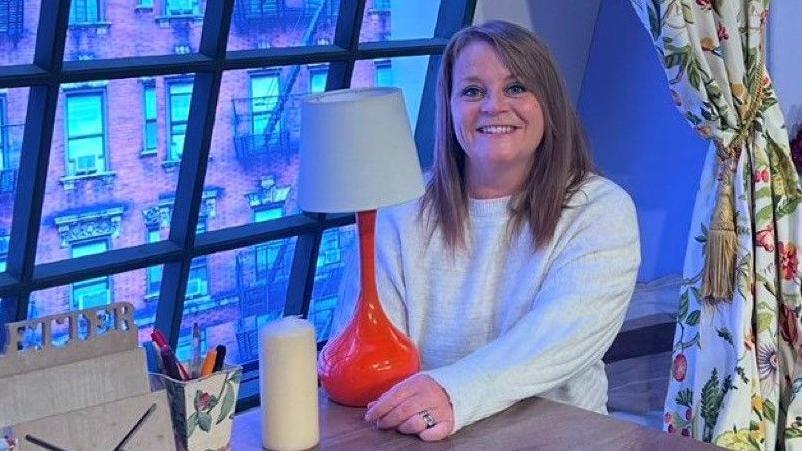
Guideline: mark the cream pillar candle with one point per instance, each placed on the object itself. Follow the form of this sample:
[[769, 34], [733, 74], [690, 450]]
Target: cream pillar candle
[[288, 381]]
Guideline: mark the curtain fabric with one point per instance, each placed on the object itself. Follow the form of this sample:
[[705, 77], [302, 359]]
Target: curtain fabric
[[736, 371]]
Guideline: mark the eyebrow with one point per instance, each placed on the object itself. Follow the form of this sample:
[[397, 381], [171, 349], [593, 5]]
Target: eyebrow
[[474, 78]]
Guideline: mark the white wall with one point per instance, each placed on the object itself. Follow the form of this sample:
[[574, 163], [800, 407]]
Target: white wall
[[785, 58], [565, 25]]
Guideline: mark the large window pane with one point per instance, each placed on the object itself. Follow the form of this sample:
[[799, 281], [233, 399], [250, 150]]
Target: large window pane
[[12, 119], [254, 153], [18, 22], [386, 20], [102, 29], [244, 289], [101, 183], [258, 24]]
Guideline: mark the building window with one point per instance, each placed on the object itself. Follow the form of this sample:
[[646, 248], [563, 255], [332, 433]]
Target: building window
[[85, 12], [381, 5], [4, 240], [384, 73], [154, 282], [92, 292], [181, 7], [184, 348], [180, 96], [86, 142], [267, 213], [144, 4], [317, 78], [264, 102], [266, 253], [198, 281], [150, 113], [329, 248], [4, 147]]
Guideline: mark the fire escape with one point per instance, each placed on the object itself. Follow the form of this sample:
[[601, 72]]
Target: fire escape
[[11, 19], [279, 138]]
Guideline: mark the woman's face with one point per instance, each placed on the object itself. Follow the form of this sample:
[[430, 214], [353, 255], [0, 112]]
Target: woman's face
[[498, 121]]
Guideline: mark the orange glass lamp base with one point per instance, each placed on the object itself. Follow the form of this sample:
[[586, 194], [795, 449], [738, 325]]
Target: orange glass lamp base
[[370, 355]]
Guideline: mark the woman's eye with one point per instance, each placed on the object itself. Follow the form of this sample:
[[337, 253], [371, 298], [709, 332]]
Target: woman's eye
[[471, 91], [516, 89]]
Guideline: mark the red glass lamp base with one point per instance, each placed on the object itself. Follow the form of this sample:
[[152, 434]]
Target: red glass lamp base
[[370, 355]]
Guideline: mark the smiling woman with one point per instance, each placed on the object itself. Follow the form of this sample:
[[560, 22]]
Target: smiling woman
[[513, 272]]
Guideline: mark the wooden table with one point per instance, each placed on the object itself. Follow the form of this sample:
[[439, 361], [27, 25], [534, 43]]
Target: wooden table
[[534, 423]]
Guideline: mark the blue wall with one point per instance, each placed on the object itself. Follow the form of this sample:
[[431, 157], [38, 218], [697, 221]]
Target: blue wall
[[638, 137]]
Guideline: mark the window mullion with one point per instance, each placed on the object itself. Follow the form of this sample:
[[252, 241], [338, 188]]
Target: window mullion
[[189, 191]]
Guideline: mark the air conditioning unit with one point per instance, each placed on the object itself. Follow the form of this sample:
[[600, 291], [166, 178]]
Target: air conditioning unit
[[196, 287], [86, 164]]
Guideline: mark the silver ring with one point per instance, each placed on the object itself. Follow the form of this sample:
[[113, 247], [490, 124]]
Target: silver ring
[[428, 419]]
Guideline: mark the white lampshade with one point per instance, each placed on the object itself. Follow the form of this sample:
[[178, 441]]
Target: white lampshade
[[357, 151]]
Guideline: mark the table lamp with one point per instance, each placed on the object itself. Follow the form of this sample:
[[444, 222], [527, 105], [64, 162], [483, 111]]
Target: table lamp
[[357, 154]]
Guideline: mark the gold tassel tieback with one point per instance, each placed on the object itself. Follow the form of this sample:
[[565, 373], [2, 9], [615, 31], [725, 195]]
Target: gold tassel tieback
[[718, 274]]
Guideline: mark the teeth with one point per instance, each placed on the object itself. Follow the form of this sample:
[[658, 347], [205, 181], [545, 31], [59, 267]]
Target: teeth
[[496, 129]]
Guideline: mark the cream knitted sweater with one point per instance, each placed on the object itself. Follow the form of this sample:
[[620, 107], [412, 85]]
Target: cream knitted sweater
[[498, 323]]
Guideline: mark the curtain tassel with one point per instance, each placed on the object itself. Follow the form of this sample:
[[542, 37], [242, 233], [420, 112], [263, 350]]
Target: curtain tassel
[[718, 278]]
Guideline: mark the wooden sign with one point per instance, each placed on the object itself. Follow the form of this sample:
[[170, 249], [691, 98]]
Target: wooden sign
[[79, 379]]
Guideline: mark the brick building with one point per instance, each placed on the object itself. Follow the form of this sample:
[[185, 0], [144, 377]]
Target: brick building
[[116, 152]]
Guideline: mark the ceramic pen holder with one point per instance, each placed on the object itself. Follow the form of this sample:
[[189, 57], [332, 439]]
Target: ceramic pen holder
[[202, 409]]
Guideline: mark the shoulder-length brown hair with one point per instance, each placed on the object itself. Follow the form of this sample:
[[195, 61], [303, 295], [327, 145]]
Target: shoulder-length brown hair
[[561, 164]]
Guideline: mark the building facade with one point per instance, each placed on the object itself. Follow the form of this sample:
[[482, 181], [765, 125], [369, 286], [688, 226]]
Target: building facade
[[116, 154]]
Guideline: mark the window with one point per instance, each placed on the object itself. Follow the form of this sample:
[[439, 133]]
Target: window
[[86, 147], [198, 281], [264, 102], [317, 78], [150, 113], [92, 292], [384, 73], [84, 12], [329, 248], [181, 7], [180, 96], [3, 134], [184, 349], [266, 253], [381, 5], [4, 239], [144, 4], [154, 282]]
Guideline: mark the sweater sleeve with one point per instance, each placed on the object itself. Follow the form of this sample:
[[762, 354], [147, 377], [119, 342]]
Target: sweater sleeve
[[574, 318], [389, 277]]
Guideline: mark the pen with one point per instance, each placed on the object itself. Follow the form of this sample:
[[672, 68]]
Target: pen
[[170, 363], [208, 364], [219, 359], [195, 366], [158, 337]]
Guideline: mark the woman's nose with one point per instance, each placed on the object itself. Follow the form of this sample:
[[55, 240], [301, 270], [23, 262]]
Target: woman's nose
[[494, 103]]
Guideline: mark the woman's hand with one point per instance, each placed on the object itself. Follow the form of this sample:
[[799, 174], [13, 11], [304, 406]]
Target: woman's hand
[[404, 406]]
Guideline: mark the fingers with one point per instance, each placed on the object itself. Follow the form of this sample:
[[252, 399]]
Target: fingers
[[400, 413], [412, 425], [438, 432], [387, 402]]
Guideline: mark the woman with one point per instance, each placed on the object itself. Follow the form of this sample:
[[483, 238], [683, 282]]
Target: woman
[[513, 272]]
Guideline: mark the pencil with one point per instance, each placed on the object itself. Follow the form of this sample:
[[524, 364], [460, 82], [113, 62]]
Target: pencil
[[208, 364]]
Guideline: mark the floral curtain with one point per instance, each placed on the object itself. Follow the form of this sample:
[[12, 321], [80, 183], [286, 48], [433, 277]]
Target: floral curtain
[[736, 368]]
